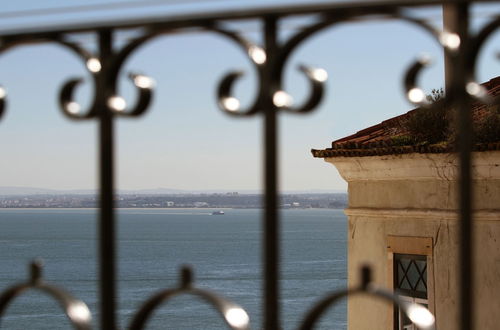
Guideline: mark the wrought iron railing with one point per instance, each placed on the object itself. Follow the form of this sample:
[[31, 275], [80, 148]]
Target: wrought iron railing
[[461, 48]]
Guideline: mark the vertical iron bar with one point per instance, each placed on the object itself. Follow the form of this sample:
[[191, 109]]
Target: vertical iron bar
[[449, 24], [106, 186], [271, 220], [460, 15]]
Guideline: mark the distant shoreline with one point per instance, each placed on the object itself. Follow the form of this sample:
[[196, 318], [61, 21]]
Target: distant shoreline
[[208, 202], [168, 208]]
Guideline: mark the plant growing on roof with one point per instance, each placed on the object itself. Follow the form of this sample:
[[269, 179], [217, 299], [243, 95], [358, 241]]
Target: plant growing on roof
[[430, 125], [488, 129], [402, 140], [437, 124]]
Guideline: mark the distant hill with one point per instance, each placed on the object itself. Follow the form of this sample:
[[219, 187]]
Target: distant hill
[[155, 191], [11, 191], [26, 191]]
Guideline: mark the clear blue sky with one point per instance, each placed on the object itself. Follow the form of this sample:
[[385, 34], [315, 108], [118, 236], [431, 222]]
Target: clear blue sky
[[184, 141]]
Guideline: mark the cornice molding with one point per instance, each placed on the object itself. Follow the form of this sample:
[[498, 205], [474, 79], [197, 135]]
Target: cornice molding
[[424, 214], [415, 167]]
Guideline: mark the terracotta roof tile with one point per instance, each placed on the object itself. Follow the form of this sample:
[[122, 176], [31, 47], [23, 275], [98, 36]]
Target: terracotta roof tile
[[377, 139]]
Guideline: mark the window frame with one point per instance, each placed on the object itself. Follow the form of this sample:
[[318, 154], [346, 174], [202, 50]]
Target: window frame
[[422, 246], [410, 292]]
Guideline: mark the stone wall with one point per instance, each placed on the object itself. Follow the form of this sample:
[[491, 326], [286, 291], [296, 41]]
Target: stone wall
[[415, 195]]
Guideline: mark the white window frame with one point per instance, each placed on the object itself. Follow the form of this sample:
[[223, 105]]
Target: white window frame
[[417, 246]]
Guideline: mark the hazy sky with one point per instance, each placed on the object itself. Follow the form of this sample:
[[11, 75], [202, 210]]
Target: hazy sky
[[184, 141]]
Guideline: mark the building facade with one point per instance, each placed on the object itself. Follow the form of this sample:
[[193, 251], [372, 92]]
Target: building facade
[[403, 222]]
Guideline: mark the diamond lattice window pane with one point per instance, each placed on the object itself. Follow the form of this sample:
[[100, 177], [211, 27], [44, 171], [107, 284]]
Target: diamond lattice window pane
[[421, 286], [411, 274]]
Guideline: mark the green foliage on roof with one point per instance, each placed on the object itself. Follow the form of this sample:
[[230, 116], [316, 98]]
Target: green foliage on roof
[[488, 129], [430, 125], [436, 125]]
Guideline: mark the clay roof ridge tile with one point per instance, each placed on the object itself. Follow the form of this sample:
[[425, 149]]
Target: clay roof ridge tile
[[377, 139]]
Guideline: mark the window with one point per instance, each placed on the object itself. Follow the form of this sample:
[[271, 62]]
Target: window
[[410, 283], [410, 274]]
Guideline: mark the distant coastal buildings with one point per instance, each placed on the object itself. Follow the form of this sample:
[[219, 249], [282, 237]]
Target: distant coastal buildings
[[215, 200]]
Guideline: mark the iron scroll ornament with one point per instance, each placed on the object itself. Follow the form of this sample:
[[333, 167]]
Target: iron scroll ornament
[[234, 315], [269, 60], [418, 314], [76, 310], [259, 57], [473, 88], [276, 97], [105, 73]]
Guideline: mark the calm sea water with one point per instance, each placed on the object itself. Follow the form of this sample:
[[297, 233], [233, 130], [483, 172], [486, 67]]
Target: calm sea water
[[225, 252]]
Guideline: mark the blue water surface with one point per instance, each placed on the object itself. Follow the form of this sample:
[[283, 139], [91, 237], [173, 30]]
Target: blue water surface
[[224, 251]]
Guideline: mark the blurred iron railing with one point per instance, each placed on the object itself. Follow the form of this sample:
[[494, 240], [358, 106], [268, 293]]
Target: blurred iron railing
[[461, 48]]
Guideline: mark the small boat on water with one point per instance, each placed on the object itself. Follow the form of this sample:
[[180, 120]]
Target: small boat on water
[[220, 212]]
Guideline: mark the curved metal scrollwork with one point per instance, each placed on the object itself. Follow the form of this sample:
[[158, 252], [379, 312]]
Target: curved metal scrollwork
[[3, 101], [258, 57], [270, 67], [76, 310], [418, 314], [414, 93], [229, 103], [69, 106], [269, 61], [105, 74], [67, 103], [270, 70], [144, 85], [234, 315], [473, 88], [451, 44]]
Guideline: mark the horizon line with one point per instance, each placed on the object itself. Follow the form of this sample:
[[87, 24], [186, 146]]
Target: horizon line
[[159, 190]]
